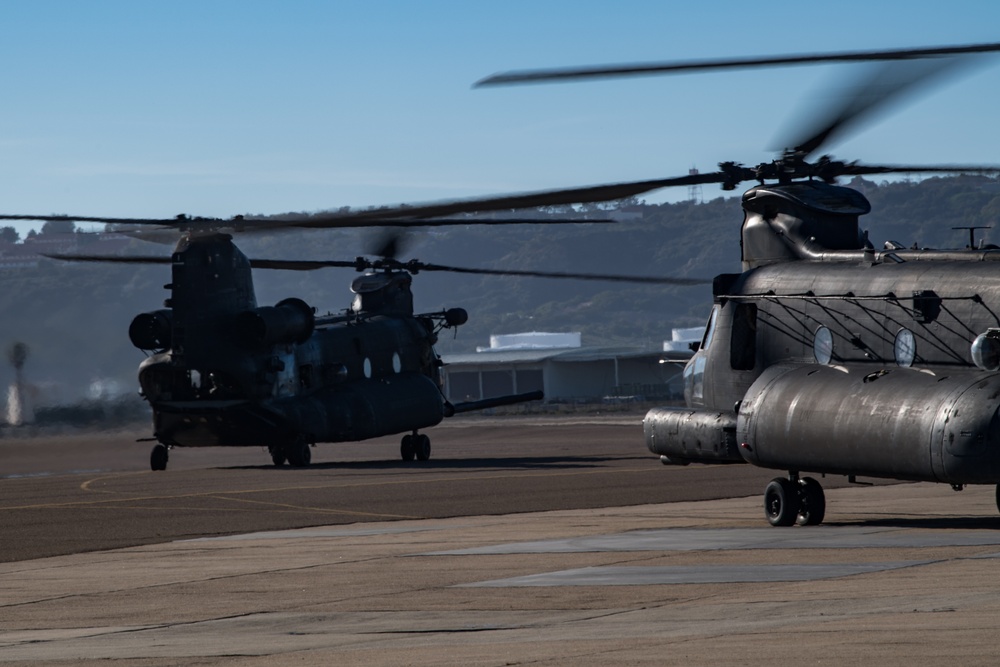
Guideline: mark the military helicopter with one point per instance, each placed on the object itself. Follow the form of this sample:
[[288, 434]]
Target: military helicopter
[[223, 371], [825, 354]]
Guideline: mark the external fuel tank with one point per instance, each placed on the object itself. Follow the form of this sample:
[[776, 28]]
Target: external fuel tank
[[901, 423]]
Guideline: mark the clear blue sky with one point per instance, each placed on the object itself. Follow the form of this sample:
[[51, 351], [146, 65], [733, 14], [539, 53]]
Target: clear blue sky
[[126, 108]]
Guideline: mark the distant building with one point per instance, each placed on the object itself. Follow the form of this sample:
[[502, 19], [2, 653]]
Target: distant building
[[628, 213], [564, 372], [683, 339]]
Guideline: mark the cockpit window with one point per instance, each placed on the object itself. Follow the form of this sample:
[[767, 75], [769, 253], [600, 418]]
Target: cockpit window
[[710, 328]]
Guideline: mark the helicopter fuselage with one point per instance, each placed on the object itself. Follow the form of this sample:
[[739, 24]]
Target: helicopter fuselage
[[843, 360], [225, 372], [346, 382]]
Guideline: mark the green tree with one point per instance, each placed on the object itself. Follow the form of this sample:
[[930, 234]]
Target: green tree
[[9, 234], [59, 227]]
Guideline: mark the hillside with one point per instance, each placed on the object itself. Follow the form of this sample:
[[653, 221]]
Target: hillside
[[75, 317]]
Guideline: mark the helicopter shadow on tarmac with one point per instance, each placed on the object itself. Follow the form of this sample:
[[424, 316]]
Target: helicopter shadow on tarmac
[[926, 523]]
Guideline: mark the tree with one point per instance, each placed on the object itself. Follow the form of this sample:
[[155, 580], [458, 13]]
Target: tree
[[59, 227], [9, 234]]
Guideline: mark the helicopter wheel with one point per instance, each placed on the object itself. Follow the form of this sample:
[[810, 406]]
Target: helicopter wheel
[[781, 502], [812, 503], [299, 454], [278, 455], [423, 447], [158, 457], [407, 449]]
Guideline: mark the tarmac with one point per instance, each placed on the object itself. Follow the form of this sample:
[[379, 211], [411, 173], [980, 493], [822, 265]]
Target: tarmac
[[898, 575]]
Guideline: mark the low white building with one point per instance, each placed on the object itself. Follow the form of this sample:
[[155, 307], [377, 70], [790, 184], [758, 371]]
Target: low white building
[[567, 373]]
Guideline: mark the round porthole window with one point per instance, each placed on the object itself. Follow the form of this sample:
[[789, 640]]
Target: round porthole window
[[823, 345], [904, 348], [368, 367], [397, 364]]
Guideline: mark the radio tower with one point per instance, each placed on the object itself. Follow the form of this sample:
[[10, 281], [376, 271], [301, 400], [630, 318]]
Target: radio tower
[[694, 191]]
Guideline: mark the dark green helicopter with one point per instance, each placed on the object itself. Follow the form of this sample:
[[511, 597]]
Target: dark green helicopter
[[225, 371], [826, 354]]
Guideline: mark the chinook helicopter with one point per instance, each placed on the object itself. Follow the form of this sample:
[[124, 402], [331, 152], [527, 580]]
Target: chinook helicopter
[[826, 354], [223, 371]]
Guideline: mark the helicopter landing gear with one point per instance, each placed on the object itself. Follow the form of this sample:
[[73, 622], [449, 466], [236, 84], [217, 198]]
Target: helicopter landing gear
[[299, 454], [812, 503], [278, 455], [415, 445], [158, 457], [788, 501], [781, 502], [423, 446]]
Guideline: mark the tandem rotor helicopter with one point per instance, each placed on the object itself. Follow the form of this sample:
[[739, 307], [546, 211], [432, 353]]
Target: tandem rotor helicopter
[[223, 371], [826, 354]]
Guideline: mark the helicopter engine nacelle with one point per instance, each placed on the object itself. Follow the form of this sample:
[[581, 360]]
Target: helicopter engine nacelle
[[455, 317], [152, 331], [290, 321], [685, 435]]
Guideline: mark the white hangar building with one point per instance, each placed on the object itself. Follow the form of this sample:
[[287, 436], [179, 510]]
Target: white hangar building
[[564, 370]]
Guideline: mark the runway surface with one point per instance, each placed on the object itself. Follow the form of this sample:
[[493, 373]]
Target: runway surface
[[74, 493], [520, 543]]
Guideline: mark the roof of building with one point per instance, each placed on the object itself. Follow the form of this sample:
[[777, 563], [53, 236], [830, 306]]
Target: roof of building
[[562, 355]]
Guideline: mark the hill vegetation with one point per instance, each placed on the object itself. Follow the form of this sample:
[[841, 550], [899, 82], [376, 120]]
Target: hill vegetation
[[75, 317]]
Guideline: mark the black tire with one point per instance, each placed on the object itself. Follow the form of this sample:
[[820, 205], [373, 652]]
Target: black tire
[[278, 456], [781, 502], [299, 454], [812, 503], [407, 448], [998, 496], [423, 447], [158, 457]]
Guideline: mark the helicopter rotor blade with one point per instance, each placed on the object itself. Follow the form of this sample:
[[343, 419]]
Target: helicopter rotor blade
[[400, 216], [883, 85], [308, 265], [424, 215], [643, 69], [113, 259], [865, 169], [412, 266], [416, 267]]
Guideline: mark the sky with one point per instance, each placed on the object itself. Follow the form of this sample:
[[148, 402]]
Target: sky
[[123, 108]]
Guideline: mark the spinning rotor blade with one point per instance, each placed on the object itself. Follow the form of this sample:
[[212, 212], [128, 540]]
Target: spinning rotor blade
[[400, 216], [885, 84], [283, 264], [865, 170], [653, 280], [642, 69], [413, 266], [113, 259]]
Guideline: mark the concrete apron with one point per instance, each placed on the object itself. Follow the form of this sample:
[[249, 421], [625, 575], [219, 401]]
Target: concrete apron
[[898, 575]]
